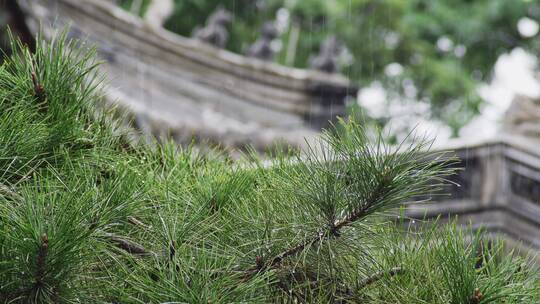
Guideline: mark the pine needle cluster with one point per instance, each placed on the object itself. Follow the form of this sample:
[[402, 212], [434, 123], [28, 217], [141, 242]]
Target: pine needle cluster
[[86, 217]]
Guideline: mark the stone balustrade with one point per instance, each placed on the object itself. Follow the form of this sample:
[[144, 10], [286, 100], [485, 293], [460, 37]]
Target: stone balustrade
[[498, 189], [187, 88]]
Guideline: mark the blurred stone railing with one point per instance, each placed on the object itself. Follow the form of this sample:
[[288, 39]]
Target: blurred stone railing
[[499, 189], [187, 88]]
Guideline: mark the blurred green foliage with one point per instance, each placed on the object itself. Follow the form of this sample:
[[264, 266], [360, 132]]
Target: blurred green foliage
[[380, 32]]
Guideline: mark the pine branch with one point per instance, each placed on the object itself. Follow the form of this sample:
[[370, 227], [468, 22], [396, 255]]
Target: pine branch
[[136, 222], [333, 230], [359, 213], [379, 275], [477, 297], [41, 260], [5, 190], [39, 92], [127, 245]]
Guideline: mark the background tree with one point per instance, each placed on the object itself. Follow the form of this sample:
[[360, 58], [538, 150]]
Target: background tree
[[445, 48]]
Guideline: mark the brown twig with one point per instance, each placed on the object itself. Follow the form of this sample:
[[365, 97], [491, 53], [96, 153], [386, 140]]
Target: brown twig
[[136, 222], [127, 245], [41, 260], [39, 90], [378, 275]]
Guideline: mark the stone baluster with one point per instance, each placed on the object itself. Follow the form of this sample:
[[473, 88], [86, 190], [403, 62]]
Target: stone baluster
[[158, 12], [215, 32], [327, 58], [523, 116], [262, 48]]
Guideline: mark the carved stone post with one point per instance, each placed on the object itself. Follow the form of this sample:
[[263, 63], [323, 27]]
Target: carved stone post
[[523, 116], [326, 60], [262, 48], [215, 32], [158, 12]]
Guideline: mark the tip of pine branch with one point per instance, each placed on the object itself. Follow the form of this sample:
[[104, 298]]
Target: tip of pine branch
[[44, 241], [476, 297], [39, 90], [259, 262]]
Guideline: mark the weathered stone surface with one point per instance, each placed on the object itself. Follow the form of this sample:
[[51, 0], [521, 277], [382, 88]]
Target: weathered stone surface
[[523, 116], [499, 190]]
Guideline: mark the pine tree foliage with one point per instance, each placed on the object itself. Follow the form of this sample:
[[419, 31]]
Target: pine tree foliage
[[87, 218]]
